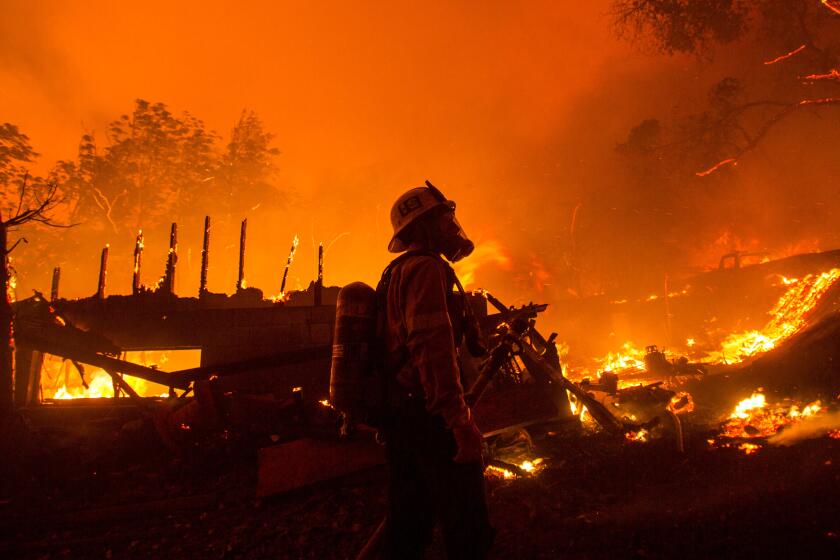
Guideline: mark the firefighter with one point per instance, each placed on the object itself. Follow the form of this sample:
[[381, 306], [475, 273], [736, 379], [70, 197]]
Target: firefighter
[[433, 446]]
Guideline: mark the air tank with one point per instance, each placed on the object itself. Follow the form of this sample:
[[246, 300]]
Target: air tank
[[352, 355]]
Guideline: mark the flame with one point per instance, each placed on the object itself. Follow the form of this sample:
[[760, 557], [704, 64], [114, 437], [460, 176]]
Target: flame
[[754, 419], [61, 381], [528, 466], [629, 357], [487, 252], [749, 448], [101, 385], [11, 286], [786, 318]]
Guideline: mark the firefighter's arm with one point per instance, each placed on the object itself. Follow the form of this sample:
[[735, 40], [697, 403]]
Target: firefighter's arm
[[430, 341]]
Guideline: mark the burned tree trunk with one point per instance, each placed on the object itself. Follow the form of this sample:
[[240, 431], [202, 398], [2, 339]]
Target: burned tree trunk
[[7, 346]]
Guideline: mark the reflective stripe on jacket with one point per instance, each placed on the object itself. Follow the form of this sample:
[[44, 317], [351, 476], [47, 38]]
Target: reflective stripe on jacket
[[418, 320]]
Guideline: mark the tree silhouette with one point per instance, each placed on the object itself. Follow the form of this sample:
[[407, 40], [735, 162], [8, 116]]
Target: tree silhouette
[[801, 38], [246, 169], [32, 206]]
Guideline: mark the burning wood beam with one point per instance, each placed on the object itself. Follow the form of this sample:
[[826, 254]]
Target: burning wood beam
[[205, 257], [103, 273], [240, 280]]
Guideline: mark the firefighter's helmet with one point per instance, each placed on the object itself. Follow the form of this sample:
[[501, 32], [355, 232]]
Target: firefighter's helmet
[[410, 206]]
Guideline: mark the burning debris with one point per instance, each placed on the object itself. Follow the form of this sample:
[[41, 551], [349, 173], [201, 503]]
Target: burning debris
[[274, 396], [754, 422]]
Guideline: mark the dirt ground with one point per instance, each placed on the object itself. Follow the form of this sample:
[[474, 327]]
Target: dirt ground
[[596, 497]]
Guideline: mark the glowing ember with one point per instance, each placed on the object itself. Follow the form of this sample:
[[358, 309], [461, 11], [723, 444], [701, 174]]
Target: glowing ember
[[786, 318], [531, 467], [681, 403], [641, 435], [833, 75], [833, 5], [499, 472], [786, 55], [749, 448], [729, 161], [528, 467]]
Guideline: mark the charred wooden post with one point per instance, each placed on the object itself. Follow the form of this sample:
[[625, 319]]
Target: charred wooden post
[[240, 280], [319, 283], [56, 278], [288, 265], [138, 256], [103, 273], [205, 257], [171, 260]]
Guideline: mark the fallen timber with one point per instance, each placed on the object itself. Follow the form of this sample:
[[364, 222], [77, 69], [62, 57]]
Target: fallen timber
[[108, 363]]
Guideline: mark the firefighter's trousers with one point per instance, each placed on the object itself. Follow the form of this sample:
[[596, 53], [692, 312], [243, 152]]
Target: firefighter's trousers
[[426, 487]]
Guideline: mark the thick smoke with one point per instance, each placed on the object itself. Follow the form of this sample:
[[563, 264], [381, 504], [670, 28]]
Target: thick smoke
[[809, 428], [514, 112]]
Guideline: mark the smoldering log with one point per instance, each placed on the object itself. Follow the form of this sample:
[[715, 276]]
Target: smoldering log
[[205, 257]]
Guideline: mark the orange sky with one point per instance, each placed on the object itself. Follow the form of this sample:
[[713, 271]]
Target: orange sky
[[365, 98], [358, 82]]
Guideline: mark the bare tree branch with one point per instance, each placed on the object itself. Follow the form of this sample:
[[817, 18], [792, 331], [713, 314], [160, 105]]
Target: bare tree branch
[[106, 205], [765, 128], [12, 248]]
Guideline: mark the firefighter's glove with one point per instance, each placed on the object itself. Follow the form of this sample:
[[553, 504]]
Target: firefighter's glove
[[468, 439]]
